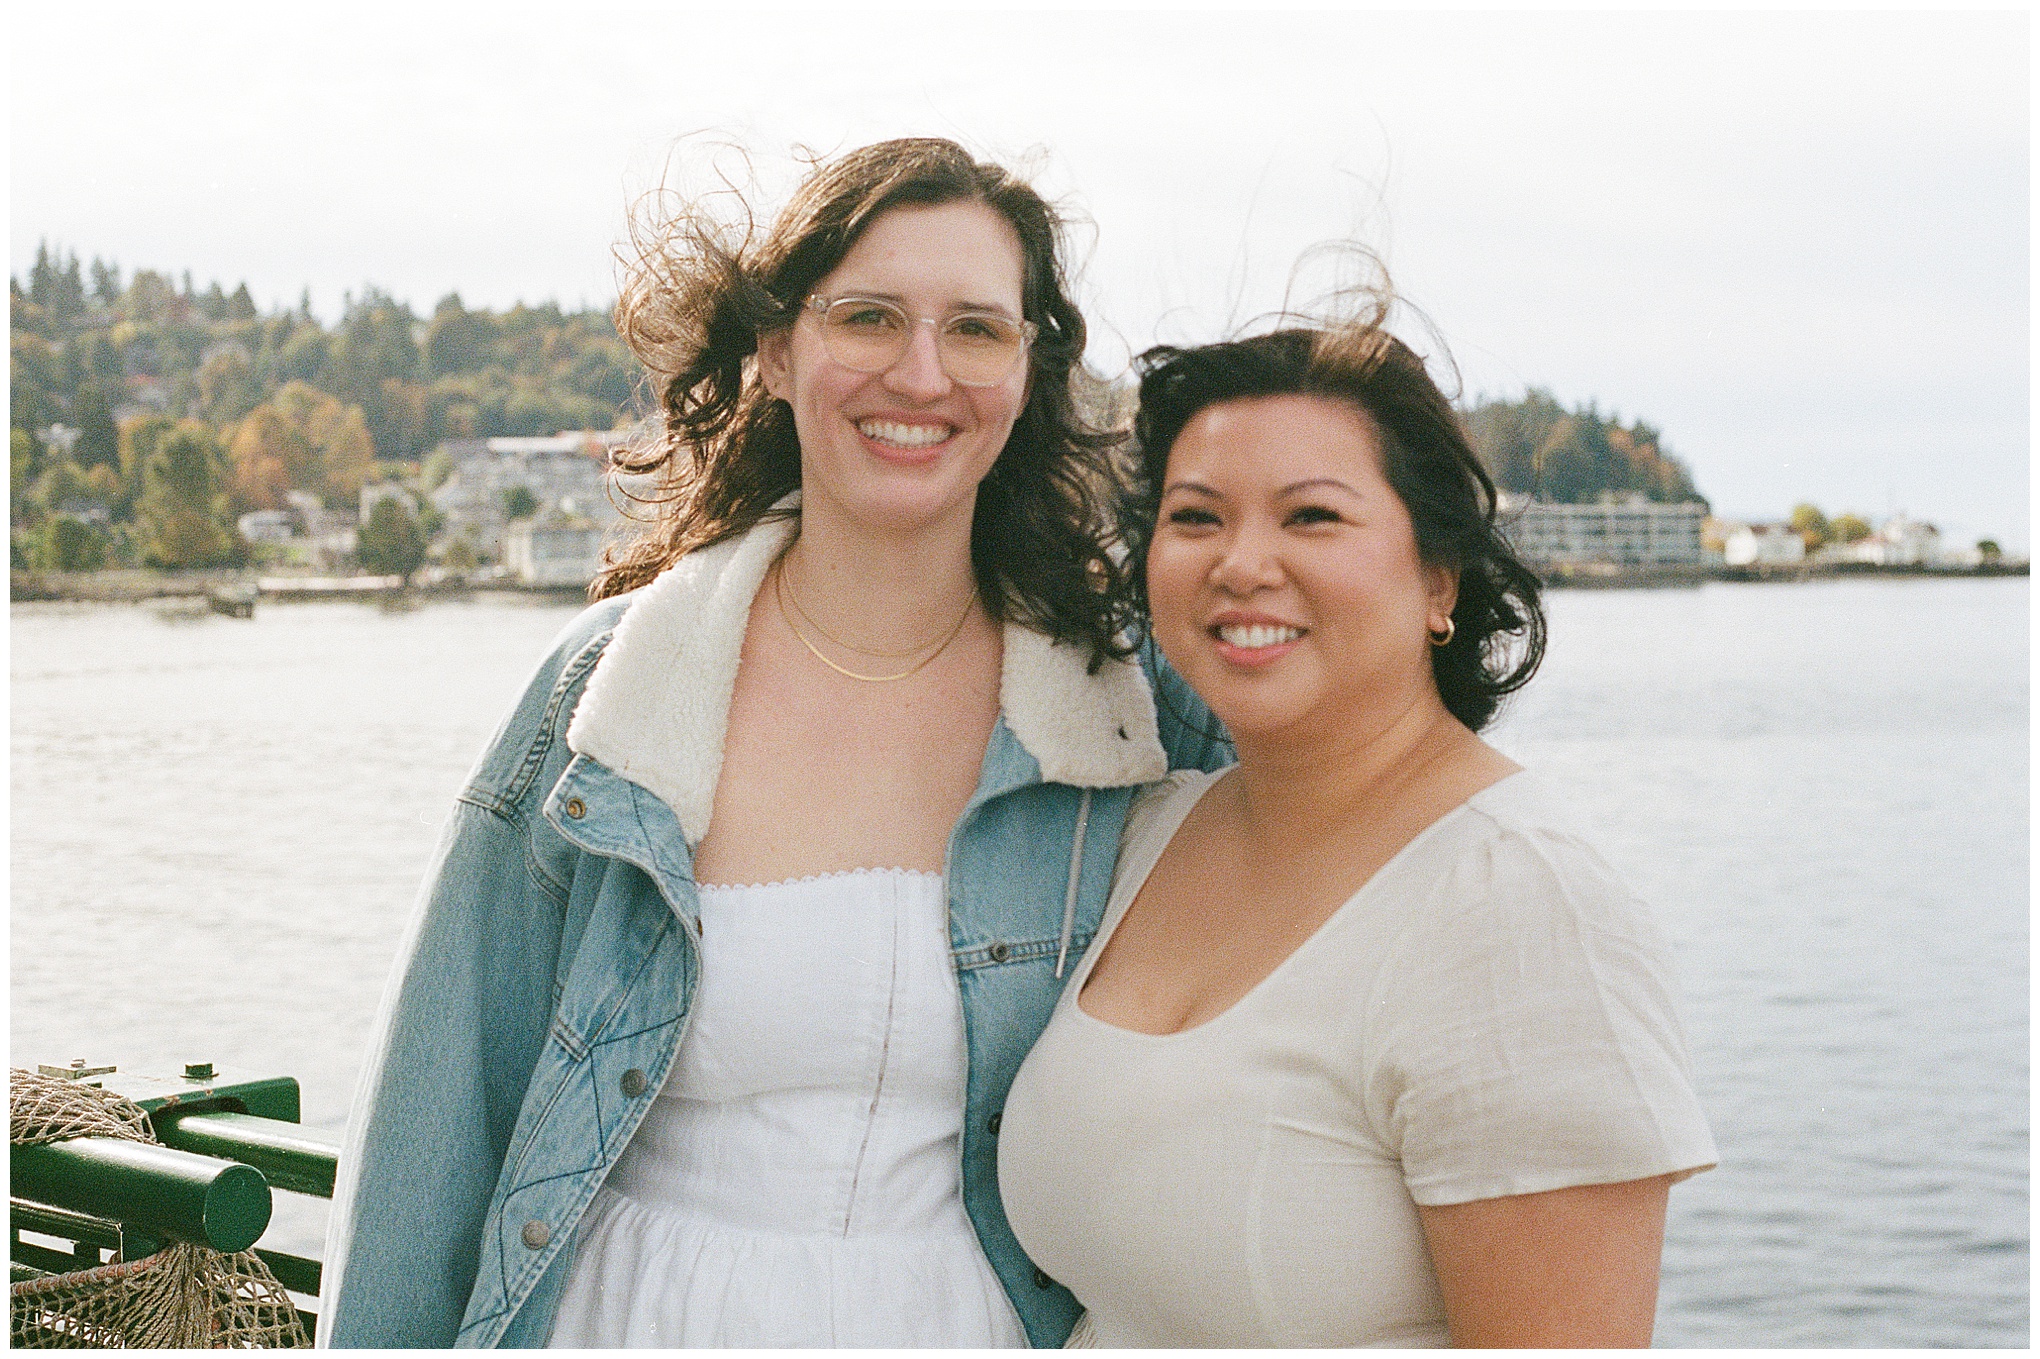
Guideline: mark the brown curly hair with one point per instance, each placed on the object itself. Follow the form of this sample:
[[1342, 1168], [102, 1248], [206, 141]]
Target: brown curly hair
[[697, 297]]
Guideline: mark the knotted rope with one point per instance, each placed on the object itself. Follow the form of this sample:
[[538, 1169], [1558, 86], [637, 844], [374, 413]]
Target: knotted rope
[[182, 1297]]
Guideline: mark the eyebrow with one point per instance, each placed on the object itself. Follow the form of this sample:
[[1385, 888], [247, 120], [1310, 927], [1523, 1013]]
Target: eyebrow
[[900, 301], [1295, 487]]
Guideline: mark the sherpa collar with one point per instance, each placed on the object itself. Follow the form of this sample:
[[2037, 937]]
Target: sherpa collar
[[656, 710]]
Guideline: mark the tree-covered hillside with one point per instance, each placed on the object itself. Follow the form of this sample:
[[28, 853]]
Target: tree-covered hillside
[[1537, 447], [85, 342], [105, 369]]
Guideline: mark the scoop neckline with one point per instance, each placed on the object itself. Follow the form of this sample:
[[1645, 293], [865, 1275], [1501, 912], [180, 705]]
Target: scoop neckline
[[1110, 927], [840, 874]]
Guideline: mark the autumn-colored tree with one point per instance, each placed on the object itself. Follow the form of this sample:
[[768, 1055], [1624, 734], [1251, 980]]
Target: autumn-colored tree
[[1849, 528], [300, 440], [269, 456], [1811, 525]]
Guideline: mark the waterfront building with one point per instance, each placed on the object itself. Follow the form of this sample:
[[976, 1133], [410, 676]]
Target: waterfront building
[[375, 493], [330, 535], [570, 470], [268, 526], [1763, 545], [555, 549], [1899, 541], [1631, 532]]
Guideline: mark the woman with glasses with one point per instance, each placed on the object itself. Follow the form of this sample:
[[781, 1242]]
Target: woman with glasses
[[742, 926]]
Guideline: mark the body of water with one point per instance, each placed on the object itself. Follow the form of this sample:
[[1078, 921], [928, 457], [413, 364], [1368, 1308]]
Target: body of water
[[218, 828]]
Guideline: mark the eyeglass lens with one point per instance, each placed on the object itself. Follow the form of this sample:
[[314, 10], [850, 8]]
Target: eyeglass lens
[[976, 349]]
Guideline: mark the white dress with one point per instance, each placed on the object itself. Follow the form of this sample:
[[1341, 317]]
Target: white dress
[[797, 1181]]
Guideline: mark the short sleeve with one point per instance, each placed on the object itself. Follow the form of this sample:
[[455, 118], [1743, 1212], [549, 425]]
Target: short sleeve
[[1527, 1030]]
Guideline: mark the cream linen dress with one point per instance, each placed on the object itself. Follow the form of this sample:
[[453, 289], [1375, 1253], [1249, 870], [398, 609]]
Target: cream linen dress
[[796, 1182], [1493, 1013]]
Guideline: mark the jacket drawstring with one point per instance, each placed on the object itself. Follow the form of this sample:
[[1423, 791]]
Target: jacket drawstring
[[1062, 951]]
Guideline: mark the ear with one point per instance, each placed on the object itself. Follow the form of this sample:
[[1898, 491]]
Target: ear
[[1442, 584], [775, 361]]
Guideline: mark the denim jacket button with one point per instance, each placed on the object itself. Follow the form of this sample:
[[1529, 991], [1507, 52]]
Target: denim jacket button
[[992, 1125], [633, 1083], [576, 808], [999, 953], [536, 1234], [1041, 1279]]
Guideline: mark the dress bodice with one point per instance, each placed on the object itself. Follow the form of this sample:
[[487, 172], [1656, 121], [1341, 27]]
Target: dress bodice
[[796, 1183]]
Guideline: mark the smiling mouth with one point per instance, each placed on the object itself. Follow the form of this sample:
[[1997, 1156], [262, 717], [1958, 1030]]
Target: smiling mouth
[[897, 435], [1254, 637]]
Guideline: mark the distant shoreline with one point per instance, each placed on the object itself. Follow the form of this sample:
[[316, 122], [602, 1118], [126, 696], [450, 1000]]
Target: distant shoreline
[[136, 586], [1597, 576], [140, 586]]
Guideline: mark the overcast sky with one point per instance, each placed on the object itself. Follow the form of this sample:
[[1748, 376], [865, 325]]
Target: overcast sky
[[1796, 244]]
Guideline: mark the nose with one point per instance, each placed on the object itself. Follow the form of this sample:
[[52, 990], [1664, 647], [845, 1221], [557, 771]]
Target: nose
[[1248, 563], [918, 371]]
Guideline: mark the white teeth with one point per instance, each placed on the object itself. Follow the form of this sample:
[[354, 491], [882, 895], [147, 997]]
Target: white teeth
[[903, 436], [1258, 635]]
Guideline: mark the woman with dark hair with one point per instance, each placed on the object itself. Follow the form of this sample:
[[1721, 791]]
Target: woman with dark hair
[[746, 919], [1371, 1049]]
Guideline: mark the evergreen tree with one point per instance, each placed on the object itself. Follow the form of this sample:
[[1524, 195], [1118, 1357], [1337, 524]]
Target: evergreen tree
[[391, 543], [140, 436], [24, 465], [456, 341], [1537, 447], [67, 544], [105, 282], [184, 505], [98, 438]]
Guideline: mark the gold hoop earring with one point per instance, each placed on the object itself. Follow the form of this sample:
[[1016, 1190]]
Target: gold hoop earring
[[1451, 630]]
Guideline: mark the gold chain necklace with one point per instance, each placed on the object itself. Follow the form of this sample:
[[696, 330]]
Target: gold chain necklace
[[793, 598], [779, 594]]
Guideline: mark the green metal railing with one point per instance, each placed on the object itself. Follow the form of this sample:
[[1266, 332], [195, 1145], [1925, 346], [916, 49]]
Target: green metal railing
[[227, 1143]]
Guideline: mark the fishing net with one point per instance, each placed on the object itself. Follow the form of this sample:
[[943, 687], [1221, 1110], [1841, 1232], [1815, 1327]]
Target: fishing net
[[184, 1297]]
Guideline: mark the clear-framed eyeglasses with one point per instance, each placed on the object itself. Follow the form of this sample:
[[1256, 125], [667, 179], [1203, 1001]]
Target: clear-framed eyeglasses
[[870, 335]]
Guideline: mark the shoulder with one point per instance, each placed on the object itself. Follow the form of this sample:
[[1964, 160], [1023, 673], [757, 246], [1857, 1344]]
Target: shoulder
[[1511, 859], [1528, 1013], [1508, 921], [538, 723]]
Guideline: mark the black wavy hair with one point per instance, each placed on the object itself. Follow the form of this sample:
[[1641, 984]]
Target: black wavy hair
[[1499, 630]]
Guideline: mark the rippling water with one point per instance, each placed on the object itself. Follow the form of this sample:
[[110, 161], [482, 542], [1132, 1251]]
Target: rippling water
[[217, 828]]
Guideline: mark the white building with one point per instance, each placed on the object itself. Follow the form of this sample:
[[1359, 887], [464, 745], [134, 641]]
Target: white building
[[554, 549], [268, 526], [386, 490], [571, 469], [1763, 545], [1627, 532], [330, 535]]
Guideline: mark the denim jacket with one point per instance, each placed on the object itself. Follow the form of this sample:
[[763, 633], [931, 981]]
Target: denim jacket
[[542, 987]]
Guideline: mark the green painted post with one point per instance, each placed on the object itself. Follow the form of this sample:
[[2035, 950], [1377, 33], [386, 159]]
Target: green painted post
[[287, 1158], [159, 1190]]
